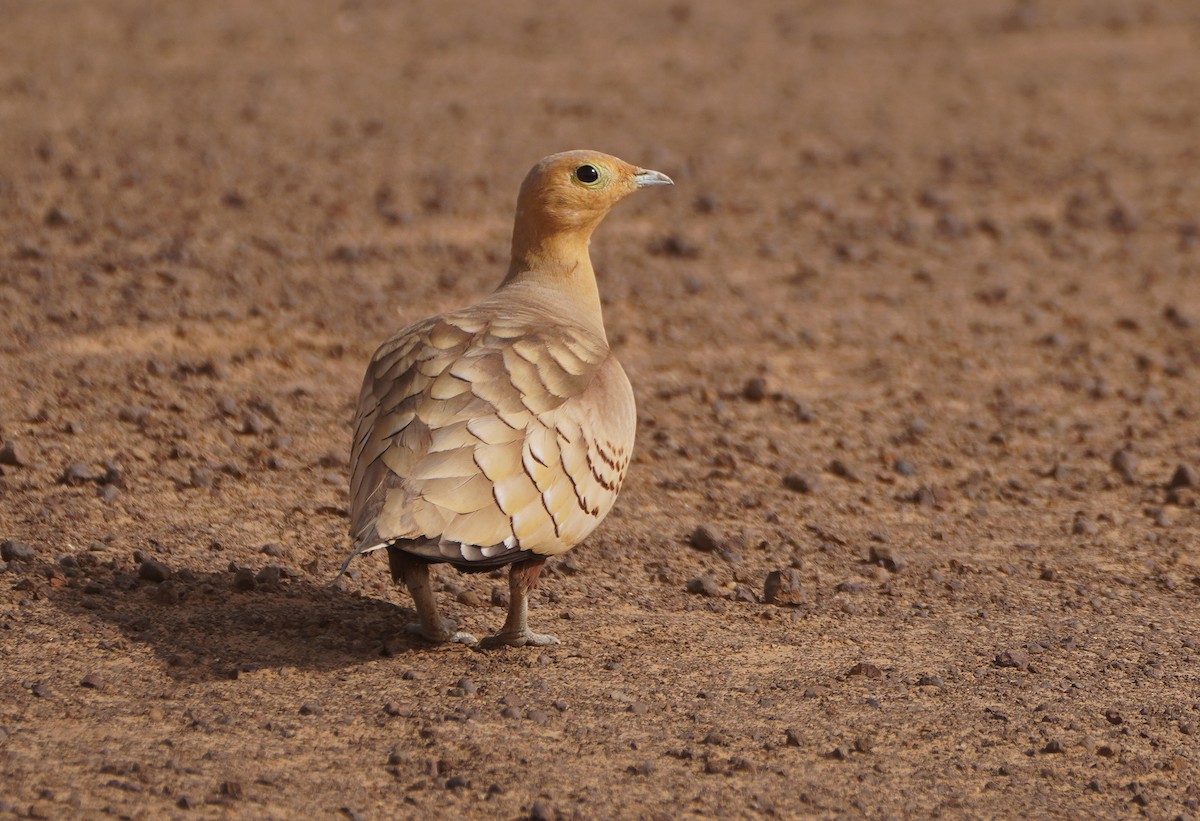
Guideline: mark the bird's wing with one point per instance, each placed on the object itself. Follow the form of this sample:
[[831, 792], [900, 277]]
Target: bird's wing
[[478, 438]]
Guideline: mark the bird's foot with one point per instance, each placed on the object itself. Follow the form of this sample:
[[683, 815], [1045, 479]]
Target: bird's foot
[[446, 631], [518, 638]]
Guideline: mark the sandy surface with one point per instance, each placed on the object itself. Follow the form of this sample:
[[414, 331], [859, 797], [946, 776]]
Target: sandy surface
[[918, 328]]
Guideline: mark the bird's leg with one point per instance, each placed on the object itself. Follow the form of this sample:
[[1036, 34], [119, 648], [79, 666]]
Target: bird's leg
[[415, 575], [522, 576]]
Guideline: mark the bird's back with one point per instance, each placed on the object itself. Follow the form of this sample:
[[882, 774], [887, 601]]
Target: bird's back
[[489, 434]]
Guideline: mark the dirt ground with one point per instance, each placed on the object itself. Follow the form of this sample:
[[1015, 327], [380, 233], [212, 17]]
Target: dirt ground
[[912, 525]]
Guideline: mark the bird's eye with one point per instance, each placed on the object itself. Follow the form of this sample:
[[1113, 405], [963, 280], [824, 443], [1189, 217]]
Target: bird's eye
[[587, 174]]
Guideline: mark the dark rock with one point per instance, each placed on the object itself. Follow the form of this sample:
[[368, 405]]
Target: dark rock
[[802, 482], [1184, 476], [783, 587], [11, 551], [704, 586], [93, 681], [310, 709], [1013, 658], [457, 782], [1125, 463], [243, 579], [885, 556], [866, 669], [79, 473], [755, 389], [153, 571], [705, 538], [541, 811], [13, 453]]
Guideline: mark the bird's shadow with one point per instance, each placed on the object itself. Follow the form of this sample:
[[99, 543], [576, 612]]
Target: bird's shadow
[[215, 625]]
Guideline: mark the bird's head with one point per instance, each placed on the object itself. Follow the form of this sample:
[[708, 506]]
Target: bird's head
[[572, 191]]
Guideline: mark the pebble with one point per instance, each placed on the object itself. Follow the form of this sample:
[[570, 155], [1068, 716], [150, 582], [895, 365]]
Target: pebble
[[885, 556], [397, 710], [541, 811], [457, 782], [14, 453], [705, 538], [802, 482], [468, 687], [1125, 463], [310, 709], [783, 587], [793, 738], [1184, 476], [1083, 526], [755, 389], [79, 473], [13, 551], [1013, 658], [153, 571], [704, 586], [839, 468], [93, 681], [931, 681], [244, 579], [865, 668]]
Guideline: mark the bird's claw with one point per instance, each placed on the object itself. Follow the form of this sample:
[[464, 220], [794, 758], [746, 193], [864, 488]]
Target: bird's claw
[[447, 632], [523, 638]]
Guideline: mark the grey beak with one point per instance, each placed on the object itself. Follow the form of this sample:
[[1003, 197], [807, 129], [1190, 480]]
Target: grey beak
[[644, 177]]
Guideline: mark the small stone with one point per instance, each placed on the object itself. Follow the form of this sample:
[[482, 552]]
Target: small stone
[[802, 482], [457, 782], [904, 467], [397, 710], [793, 738], [12, 551], [310, 709], [1083, 526], [1114, 717], [202, 477], [539, 716], [865, 668], [78, 473], [839, 468], [244, 579], [1184, 476], [1013, 658], [1053, 746], [93, 681], [885, 556], [541, 811], [153, 571], [13, 453], [704, 586], [931, 681], [755, 389], [1125, 463], [468, 687], [784, 587], [705, 538]]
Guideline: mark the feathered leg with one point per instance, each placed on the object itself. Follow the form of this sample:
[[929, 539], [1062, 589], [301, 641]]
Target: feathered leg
[[415, 575], [522, 576]]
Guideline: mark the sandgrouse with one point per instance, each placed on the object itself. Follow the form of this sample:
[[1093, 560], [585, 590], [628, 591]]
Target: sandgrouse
[[500, 433]]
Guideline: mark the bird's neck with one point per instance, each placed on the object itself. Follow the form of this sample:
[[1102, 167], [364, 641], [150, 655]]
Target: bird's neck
[[558, 265]]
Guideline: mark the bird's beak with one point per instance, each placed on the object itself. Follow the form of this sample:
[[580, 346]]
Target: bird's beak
[[644, 177]]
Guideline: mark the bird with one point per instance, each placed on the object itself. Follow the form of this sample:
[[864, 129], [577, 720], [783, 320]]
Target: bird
[[500, 434]]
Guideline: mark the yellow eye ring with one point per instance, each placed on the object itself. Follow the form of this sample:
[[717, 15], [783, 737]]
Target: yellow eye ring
[[588, 174]]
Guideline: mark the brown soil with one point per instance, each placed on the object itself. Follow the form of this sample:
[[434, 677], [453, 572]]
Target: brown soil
[[918, 327]]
